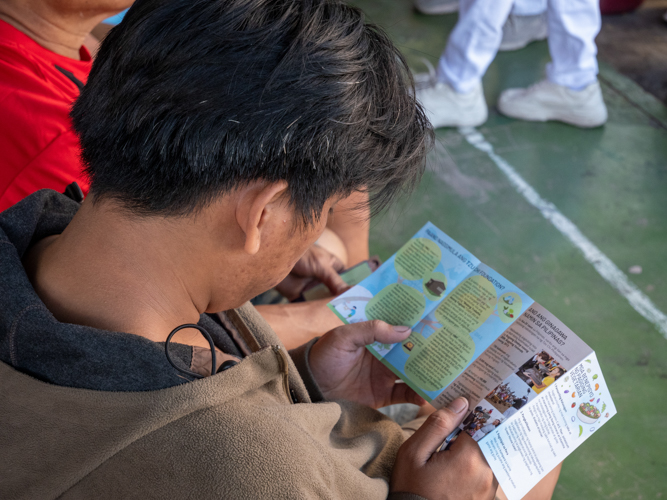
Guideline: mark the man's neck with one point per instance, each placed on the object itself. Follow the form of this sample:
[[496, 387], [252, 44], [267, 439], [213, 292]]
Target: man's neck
[[60, 32], [114, 275]]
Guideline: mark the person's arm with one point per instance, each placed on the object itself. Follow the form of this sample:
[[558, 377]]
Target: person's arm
[[343, 368], [343, 244], [319, 263], [298, 323], [460, 472]]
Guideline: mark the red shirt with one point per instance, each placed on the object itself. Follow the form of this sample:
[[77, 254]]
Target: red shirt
[[38, 148]]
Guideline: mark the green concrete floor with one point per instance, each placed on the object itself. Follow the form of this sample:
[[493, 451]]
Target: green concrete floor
[[611, 183]]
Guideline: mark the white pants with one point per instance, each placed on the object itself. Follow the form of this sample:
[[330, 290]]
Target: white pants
[[573, 26], [529, 7]]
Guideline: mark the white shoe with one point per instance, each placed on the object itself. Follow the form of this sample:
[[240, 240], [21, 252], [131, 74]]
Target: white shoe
[[519, 31], [548, 101], [436, 6], [447, 108], [424, 80]]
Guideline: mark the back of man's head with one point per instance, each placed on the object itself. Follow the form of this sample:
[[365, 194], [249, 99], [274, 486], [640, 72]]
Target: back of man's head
[[189, 99]]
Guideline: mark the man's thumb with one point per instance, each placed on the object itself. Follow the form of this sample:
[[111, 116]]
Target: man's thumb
[[426, 440]]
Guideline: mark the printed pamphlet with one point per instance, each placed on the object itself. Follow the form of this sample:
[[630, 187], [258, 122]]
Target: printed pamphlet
[[535, 389]]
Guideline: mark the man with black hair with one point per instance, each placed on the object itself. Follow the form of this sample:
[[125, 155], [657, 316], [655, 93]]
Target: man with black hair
[[43, 66], [217, 136]]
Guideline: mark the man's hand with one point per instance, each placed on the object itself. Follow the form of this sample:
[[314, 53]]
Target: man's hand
[[316, 264], [345, 369], [459, 473]]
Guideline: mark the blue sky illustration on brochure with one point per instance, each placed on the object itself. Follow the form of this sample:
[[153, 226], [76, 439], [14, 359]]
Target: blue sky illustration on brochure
[[436, 261]]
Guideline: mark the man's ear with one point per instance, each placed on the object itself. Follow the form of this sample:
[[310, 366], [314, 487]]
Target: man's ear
[[252, 210]]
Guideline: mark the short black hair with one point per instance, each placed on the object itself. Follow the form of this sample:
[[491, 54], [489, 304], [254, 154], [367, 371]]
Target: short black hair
[[188, 99]]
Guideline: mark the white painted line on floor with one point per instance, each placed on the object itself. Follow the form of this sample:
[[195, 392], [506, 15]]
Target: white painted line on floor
[[607, 269]]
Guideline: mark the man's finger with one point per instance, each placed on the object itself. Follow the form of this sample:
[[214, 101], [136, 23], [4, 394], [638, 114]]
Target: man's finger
[[331, 279], [367, 332], [337, 264], [426, 440]]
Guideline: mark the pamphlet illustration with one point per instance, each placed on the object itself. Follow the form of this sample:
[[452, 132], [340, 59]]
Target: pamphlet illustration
[[456, 307], [536, 390], [536, 438]]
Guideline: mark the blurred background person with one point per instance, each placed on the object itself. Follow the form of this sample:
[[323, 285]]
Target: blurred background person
[[453, 95], [526, 23], [44, 63]]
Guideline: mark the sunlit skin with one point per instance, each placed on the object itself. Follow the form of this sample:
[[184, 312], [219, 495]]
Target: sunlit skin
[[155, 273]]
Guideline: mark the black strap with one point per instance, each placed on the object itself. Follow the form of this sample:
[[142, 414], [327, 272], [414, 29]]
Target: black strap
[[71, 76], [210, 343], [74, 192]]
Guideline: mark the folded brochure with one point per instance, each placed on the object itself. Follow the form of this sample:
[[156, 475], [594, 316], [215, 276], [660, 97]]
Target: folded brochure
[[535, 389]]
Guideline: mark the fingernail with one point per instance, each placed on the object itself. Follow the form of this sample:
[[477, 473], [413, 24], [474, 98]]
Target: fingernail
[[458, 405], [401, 328]]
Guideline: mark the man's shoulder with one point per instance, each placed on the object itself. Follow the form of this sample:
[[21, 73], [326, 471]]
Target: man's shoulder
[[252, 447]]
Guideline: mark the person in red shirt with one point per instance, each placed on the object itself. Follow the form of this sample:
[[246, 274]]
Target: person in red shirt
[[43, 66]]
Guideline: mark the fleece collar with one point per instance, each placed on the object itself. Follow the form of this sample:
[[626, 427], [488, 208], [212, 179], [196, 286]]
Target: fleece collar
[[33, 341]]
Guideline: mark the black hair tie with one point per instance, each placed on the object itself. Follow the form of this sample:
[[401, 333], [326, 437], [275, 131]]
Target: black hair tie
[[210, 343]]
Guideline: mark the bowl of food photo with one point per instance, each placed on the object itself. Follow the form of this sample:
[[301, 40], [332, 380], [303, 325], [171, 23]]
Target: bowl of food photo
[[588, 413]]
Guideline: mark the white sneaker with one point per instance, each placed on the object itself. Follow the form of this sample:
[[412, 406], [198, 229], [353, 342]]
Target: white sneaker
[[447, 108], [436, 6], [424, 80], [519, 31], [548, 101]]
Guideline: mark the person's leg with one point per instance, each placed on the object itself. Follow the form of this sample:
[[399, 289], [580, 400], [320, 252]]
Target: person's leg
[[436, 6], [573, 26], [526, 23], [543, 490], [571, 92], [350, 223], [529, 7], [473, 44], [453, 97]]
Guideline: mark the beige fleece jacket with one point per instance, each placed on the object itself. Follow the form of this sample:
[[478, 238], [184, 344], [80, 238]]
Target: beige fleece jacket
[[237, 434]]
